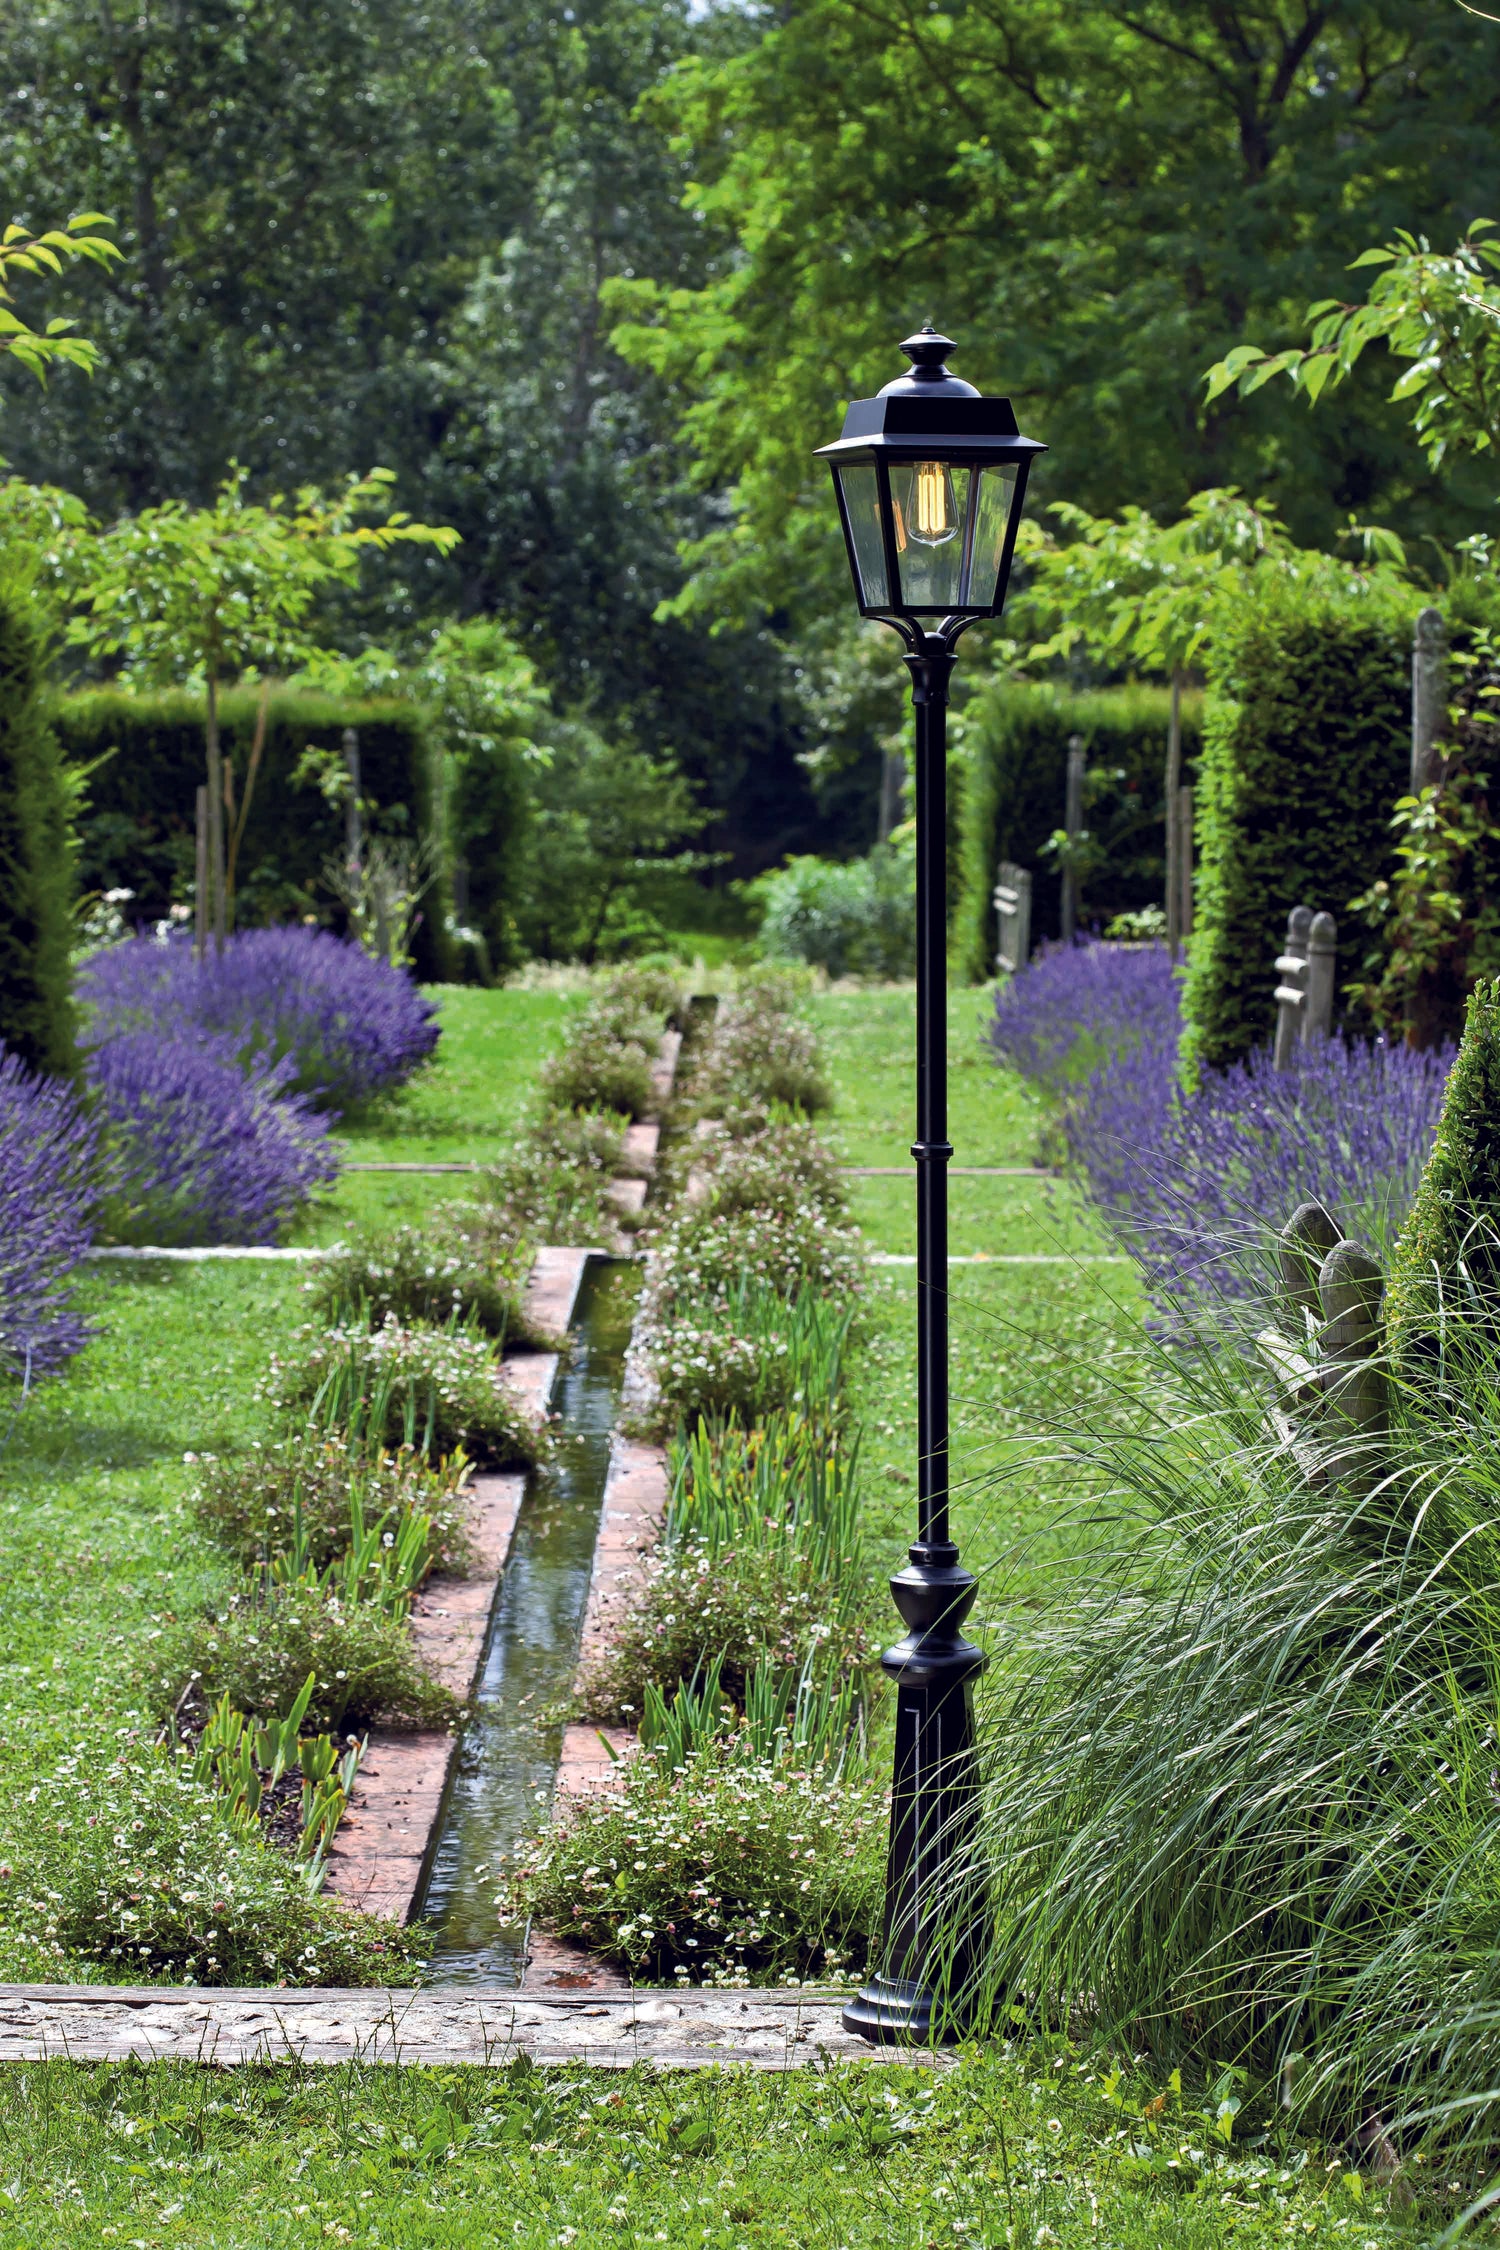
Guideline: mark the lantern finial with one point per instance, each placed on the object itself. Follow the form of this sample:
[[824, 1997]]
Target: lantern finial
[[928, 352]]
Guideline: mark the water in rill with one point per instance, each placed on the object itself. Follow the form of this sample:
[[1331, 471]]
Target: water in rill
[[507, 1760]]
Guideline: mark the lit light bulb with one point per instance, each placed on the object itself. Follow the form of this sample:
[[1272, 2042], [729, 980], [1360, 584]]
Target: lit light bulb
[[932, 511]]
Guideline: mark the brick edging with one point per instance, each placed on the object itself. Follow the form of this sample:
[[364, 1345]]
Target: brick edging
[[381, 1853]]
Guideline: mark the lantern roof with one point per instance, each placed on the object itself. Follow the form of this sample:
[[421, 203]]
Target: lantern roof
[[932, 412]]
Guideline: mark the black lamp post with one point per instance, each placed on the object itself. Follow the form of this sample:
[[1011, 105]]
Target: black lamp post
[[931, 478]]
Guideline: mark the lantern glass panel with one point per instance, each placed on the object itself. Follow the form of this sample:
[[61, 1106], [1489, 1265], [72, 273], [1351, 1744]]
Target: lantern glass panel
[[991, 522], [929, 505], [862, 510]]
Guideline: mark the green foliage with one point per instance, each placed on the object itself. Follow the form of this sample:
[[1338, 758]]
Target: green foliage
[[608, 818], [1014, 739], [1446, 1270], [146, 751], [1307, 746], [1087, 278], [760, 1058], [37, 853], [1436, 921], [34, 254], [1440, 313], [850, 917], [436, 1273], [260, 1647], [254, 1504], [131, 1864], [434, 1388], [489, 719], [740, 1865]]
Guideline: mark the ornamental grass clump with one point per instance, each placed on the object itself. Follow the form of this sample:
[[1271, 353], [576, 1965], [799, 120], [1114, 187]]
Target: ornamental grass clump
[[1240, 1804], [349, 1026], [50, 1176], [432, 1389], [202, 1149], [260, 1645], [301, 1490], [119, 1859], [732, 1868]]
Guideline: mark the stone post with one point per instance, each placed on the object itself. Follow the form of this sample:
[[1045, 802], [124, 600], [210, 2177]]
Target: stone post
[[1322, 969], [1013, 916], [1291, 991], [1073, 823], [1429, 696]]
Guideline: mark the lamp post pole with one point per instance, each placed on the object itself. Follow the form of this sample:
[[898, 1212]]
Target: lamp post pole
[[930, 478], [933, 1667]]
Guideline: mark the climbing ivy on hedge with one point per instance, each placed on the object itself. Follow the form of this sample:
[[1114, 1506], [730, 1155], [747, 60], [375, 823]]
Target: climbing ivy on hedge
[[1012, 785], [1307, 746], [37, 875]]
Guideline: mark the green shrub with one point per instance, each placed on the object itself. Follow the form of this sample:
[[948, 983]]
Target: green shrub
[[137, 832], [853, 918], [784, 1168], [707, 1256], [259, 1649], [761, 1056], [1307, 746], [600, 1068], [1447, 1261], [434, 1273], [434, 1388], [1012, 798], [249, 1502], [126, 1861], [37, 871], [737, 1867], [750, 1353]]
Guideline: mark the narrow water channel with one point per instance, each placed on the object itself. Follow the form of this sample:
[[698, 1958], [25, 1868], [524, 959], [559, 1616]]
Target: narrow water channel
[[507, 1761]]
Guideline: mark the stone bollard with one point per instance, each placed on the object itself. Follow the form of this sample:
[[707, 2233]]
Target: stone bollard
[[1322, 968], [1306, 1239], [1013, 916], [1291, 992], [1350, 1287]]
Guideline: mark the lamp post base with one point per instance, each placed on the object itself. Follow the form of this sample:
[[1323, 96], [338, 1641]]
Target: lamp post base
[[893, 2012]]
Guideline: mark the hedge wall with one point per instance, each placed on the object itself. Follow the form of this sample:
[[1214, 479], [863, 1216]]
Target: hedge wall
[[1307, 745], [37, 876], [137, 832], [1012, 782]]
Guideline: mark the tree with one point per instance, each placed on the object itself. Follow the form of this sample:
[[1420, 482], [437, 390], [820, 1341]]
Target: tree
[[183, 595], [1439, 313], [1096, 201], [607, 819]]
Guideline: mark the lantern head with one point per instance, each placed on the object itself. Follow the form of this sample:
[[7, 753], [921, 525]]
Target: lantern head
[[931, 480]]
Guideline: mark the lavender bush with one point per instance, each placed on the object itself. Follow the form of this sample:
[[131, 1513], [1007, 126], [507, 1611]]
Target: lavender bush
[[205, 1149], [348, 1026], [1198, 1182], [48, 1174]]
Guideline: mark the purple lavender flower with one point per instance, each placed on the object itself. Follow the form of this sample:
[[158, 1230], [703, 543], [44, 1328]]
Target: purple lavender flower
[[1198, 1183], [48, 1169], [207, 1148], [351, 1026], [1073, 1006]]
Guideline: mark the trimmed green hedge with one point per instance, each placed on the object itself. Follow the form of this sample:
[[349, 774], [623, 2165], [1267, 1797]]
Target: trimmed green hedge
[[1307, 746], [1012, 783], [137, 831], [37, 875]]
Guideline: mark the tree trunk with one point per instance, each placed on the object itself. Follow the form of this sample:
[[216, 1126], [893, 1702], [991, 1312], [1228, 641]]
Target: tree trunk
[[216, 881], [1174, 841]]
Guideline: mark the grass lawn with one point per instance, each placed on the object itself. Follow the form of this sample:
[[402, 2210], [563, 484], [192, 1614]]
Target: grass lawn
[[95, 1548], [997, 2150]]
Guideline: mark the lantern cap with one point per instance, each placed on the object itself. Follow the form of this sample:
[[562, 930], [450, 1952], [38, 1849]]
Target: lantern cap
[[928, 376], [930, 413]]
